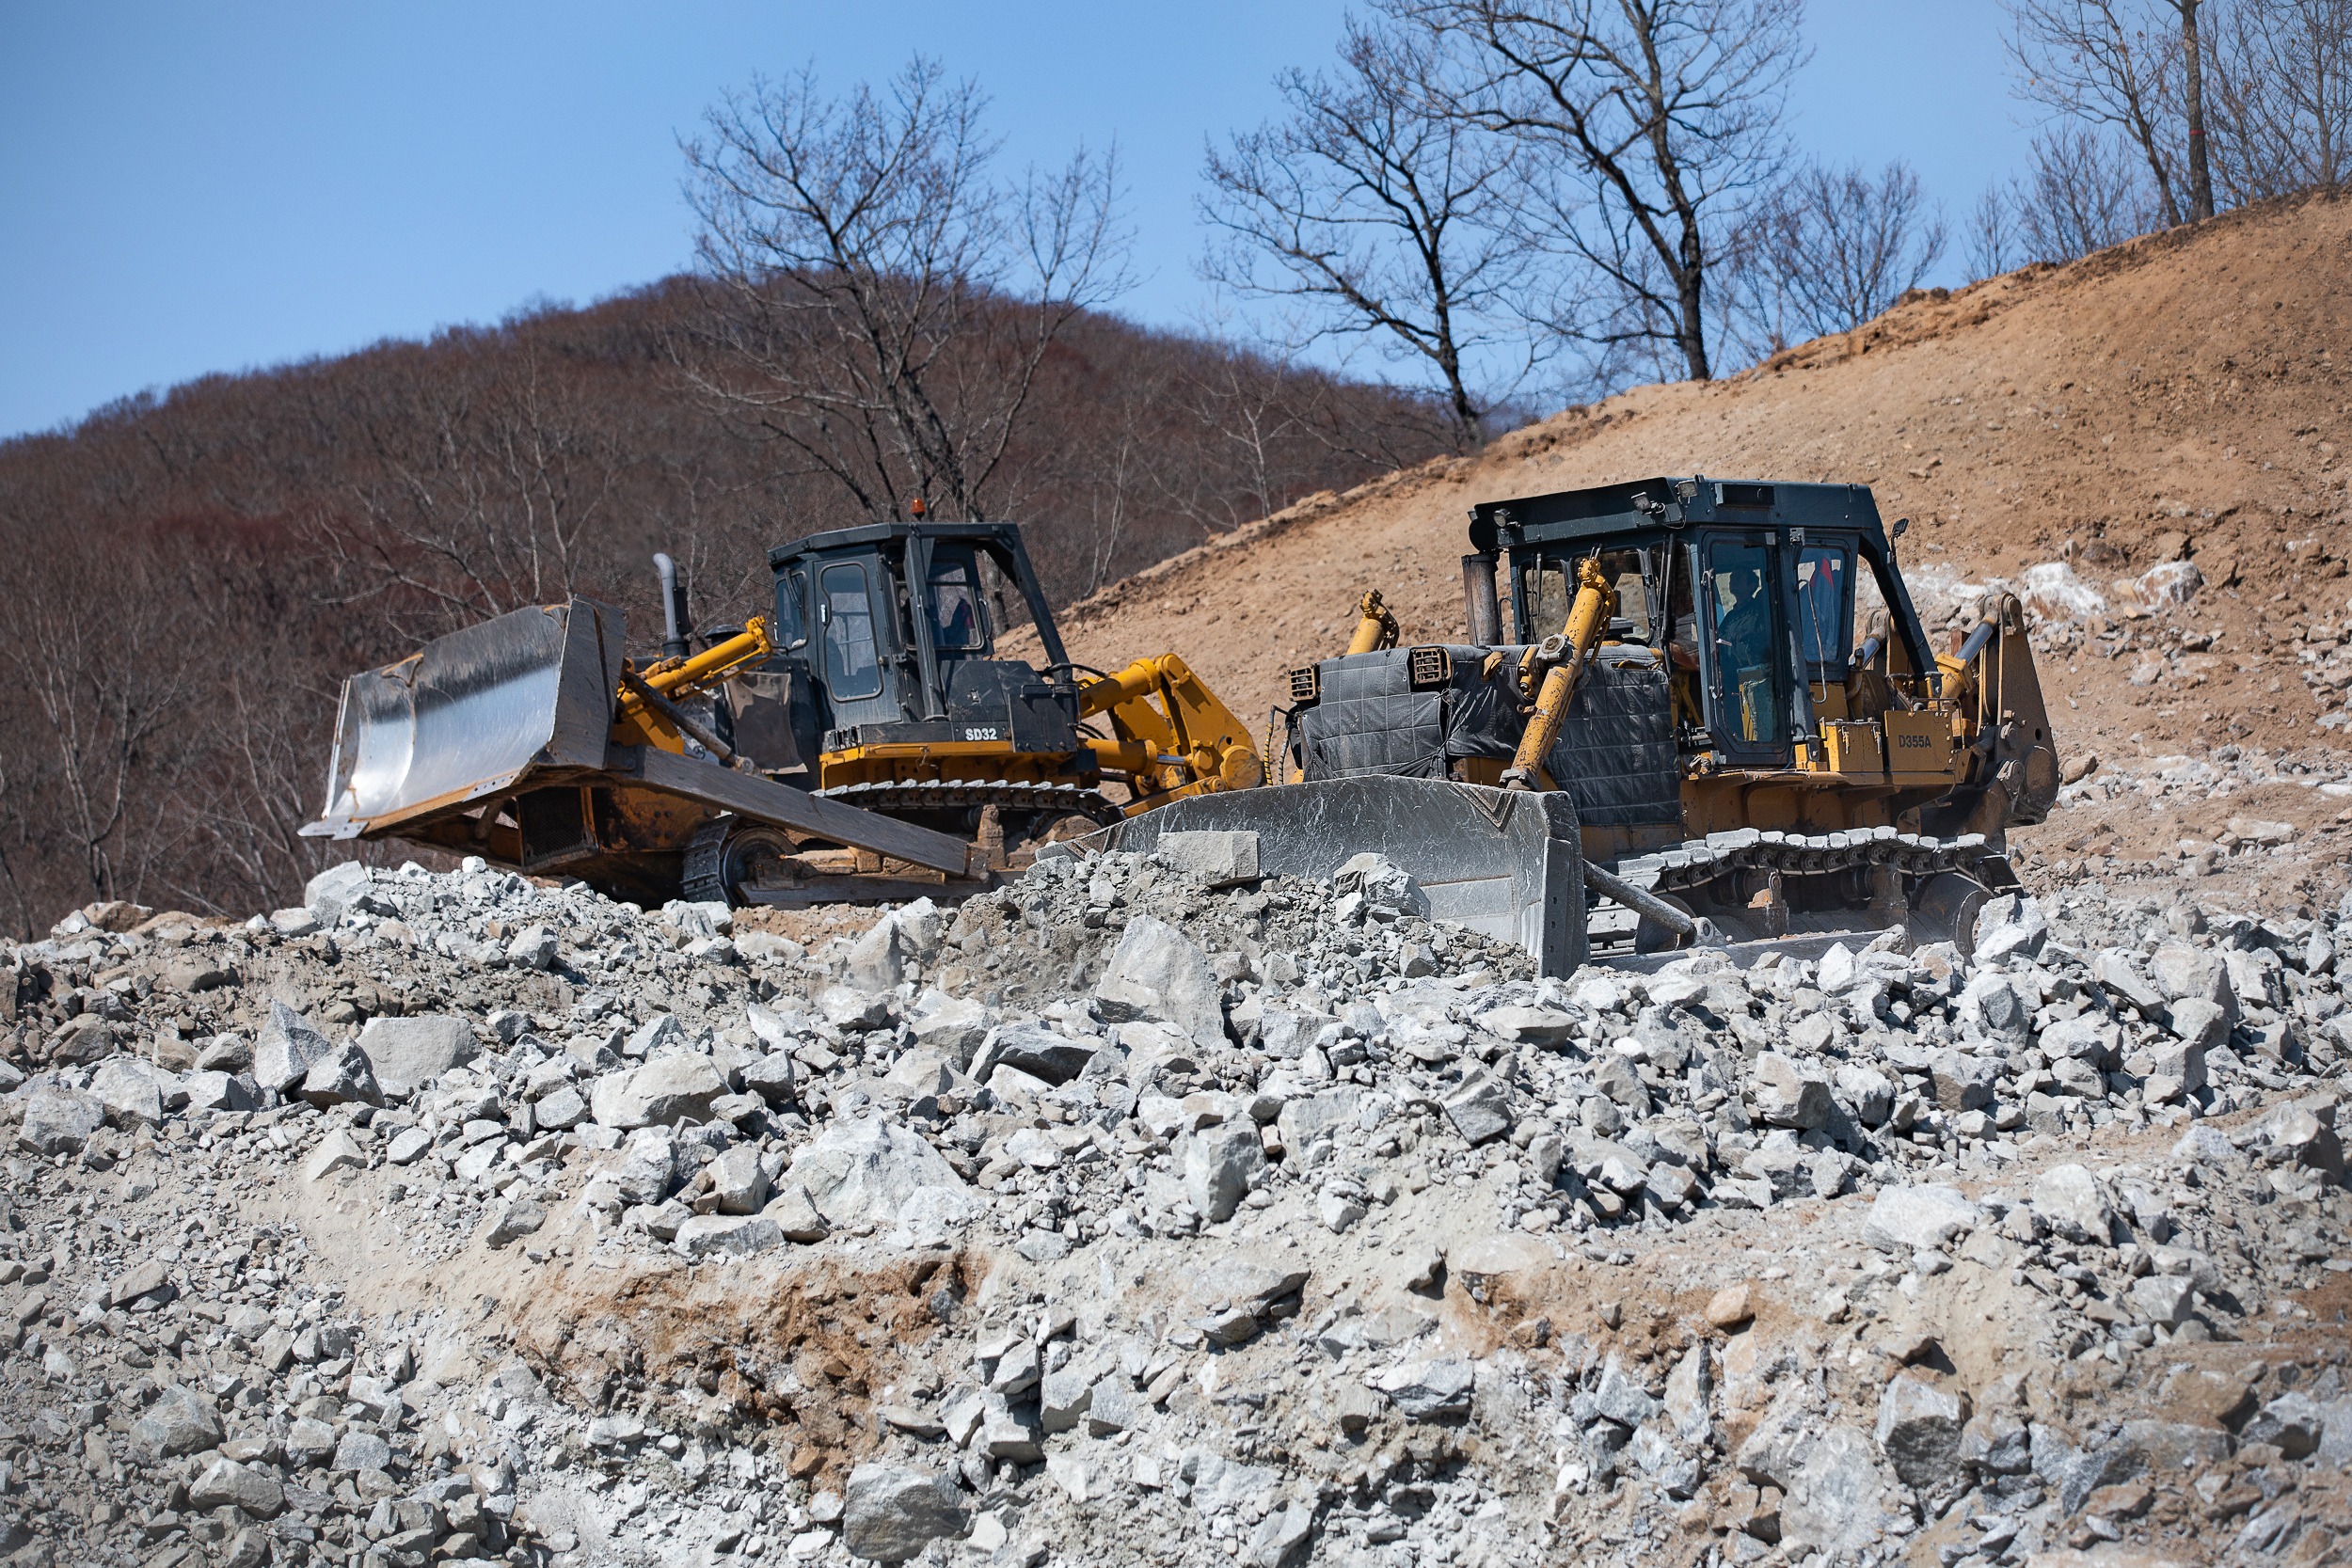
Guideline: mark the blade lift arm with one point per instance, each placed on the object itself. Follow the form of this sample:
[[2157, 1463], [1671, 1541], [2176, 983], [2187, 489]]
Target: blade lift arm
[[646, 710], [1562, 659], [1190, 744]]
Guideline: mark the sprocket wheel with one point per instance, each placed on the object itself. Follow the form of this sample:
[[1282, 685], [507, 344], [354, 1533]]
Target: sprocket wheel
[[728, 853]]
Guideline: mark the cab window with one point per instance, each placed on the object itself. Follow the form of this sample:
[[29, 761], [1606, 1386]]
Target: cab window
[[957, 623], [852, 663], [792, 592], [1825, 606], [1740, 622]]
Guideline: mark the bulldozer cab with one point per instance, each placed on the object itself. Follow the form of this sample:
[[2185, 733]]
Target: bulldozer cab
[[1749, 595], [893, 630]]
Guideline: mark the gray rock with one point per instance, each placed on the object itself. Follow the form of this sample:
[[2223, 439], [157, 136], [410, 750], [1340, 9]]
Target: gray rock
[[1041, 1053], [560, 1109], [1383, 885], [407, 1053], [1544, 1026], [1158, 973], [533, 947], [2168, 1300], [286, 1047], [1919, 1431], [953, 1027], [1996, 1443], [218, 1091], [1617, 1078], [335, 891], [1282, 1538], [1786, 1096], [1687, 1389], [1621, 1398], [515, 1218], [361, 1451], [2069, 1200], [2187, 972], [1305, 1121], [341, 1077], [1218, 858], [1841, 1498], [1962, 1081], [848, 1008], [795, 1215], [1113, 1407], [307, 1442], [648, 1162], [84, 1038], [59, 1121], [1064, 1396], [740, 1235], [177, 1422], [1869, 1091], [1911, 1219], [1218, 1162], [661, 1093], [739, 1183], [774, 1078], [1429, 1389], [2114, 970], [226, 1483], [857, 1171], [890, 1514], [2198, 1024], [1480, 1110], [2292, 1422], [2181, 1060], [131, 1092]]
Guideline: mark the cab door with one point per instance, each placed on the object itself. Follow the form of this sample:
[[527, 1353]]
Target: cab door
[[855, 645], [1743, 648]]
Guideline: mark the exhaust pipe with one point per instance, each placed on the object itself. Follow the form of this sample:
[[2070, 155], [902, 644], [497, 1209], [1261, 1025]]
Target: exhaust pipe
[[1482, 611], [676, 625]]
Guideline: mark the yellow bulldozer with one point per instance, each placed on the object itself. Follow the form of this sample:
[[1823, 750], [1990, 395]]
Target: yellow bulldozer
[[1720, 719], [859, 739]]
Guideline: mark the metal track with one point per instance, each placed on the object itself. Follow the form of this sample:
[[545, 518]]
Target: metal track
[[1700, 860], [894, 799]]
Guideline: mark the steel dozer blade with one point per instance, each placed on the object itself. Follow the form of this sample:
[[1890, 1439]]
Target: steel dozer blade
[[525, 703], [1506, 864], [468, 714]]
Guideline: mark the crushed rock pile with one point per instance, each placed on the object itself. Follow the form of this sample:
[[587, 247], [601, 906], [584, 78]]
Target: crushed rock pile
[[1156, 1211]]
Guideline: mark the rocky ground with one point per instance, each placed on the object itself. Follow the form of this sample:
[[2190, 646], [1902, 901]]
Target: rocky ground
[[1158, 1212]]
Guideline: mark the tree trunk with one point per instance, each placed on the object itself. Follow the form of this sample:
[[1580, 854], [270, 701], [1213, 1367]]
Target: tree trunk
[[1690, 301], [2193, 86]]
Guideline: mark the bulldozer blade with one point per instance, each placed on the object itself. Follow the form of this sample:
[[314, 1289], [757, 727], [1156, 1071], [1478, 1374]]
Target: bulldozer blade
[[1506, 864], [782, 806], [466, 715]]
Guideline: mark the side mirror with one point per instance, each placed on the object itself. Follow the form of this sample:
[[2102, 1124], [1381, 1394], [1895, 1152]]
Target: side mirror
[[1901, 525]]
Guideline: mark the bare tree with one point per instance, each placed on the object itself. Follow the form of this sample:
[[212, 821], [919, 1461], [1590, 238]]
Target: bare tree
[[1992, 239], [2083, 195], [2132, 66], [2282, 96], [883, 302], [1377, 205], [1647, 129], [1840, 248], [482, 497]]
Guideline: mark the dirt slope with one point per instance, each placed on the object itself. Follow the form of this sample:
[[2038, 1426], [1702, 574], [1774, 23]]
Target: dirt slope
[[2181, 393]]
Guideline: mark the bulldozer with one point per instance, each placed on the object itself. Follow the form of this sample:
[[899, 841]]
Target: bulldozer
[[1719, 720], [859, 740]]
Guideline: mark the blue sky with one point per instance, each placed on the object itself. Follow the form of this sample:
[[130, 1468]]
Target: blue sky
[[198, 188]]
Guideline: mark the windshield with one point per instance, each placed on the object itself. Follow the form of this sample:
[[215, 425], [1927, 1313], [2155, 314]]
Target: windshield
[[1824, 582], [1739, 575], [956, 626]]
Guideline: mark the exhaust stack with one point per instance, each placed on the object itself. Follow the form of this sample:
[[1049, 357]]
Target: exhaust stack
[[676, 625]]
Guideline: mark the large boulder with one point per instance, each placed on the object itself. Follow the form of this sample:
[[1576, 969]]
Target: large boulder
[[867, 1170], [1907, 1219], [1218, 1162], [1041, 1053], [1156, 971], [663, 1092], [59, 1121], [1919, 1431], [2070, 1200], [179, 1421], [889, 1513], [1840, 1498], [135, 1094], [341, 1077], [287, 1047], [407, 1053], [335, 891]]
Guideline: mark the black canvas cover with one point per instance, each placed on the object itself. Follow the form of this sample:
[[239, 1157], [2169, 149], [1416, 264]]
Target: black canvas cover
[[1615, 754]]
